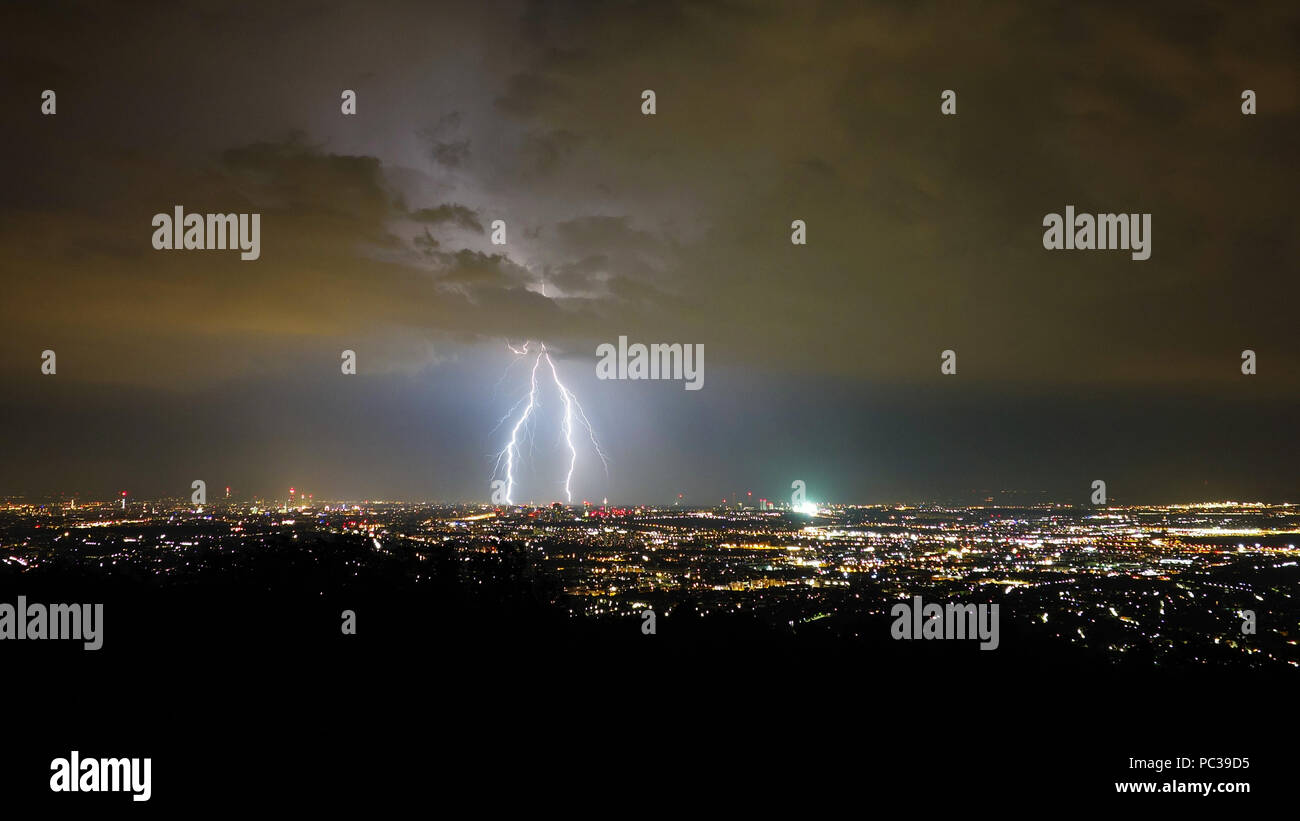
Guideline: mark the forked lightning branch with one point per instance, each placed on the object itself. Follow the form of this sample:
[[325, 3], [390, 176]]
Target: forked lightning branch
[[510, 457]]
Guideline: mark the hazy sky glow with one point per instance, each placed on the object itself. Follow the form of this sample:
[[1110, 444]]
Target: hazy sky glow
[[822, 361]]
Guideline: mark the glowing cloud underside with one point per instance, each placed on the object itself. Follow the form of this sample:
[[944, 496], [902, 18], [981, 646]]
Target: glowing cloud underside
[[508, 457]]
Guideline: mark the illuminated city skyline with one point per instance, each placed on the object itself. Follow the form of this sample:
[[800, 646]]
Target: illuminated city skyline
[[443, 403]]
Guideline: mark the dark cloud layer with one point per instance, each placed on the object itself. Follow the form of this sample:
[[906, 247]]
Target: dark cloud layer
[[924, 234]]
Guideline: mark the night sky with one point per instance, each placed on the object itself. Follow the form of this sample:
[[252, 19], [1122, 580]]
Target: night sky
[[821, 361]]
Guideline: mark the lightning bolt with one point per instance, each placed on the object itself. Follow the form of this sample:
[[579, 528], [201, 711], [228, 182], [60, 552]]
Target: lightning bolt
[[572, 411]]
